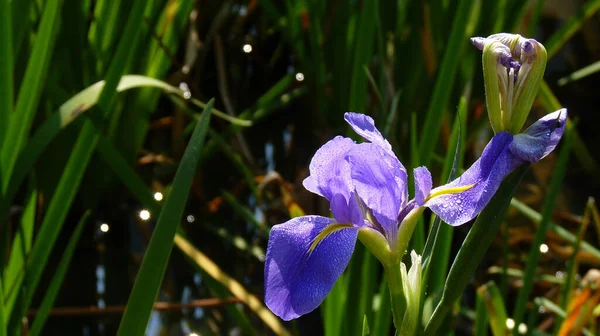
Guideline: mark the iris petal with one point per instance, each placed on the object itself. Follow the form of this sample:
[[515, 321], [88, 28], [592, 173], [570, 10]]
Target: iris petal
[[298, 280], [462, 199], [380, 181], [330, 178], [541, 137], [365, 127], [423, 184]]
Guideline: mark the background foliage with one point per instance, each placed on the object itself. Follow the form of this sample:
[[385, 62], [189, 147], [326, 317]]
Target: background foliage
[[85, 147]]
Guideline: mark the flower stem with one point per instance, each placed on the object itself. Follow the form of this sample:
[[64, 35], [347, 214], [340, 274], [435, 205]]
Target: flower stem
[[396, 293]]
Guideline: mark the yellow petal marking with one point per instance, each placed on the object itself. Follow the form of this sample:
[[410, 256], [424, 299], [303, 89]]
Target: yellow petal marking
[[325, 233], [448, 191]]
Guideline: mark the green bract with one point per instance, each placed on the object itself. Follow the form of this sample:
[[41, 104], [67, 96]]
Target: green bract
[[513, 67]]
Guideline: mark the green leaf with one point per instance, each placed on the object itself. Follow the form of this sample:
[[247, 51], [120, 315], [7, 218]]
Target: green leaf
[[147, 283], [579, 74], [383, 310], [481, 317], [365, 327], [363, 52], [21, 246], [334, 306], [569, 29], [6, 68], [70, 179], [30, 90], [496, 312], [234, 287], [540, 234], [474, 247], [445, 80], [59, 275], [68, 112]]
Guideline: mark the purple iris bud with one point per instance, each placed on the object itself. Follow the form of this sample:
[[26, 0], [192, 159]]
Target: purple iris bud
[[366, 186]]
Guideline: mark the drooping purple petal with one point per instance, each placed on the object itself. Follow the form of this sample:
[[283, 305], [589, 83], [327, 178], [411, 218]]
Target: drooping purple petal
[[296, 280], [380, 181], [364, 126], [330, 178], [540, 138], [422, 184], [456, 206]]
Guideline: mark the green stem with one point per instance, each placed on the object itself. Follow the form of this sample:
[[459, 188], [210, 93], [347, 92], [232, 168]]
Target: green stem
[[396, 293]]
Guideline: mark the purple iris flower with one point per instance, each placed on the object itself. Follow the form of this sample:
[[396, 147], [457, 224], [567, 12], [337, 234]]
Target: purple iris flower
[[366, 186]]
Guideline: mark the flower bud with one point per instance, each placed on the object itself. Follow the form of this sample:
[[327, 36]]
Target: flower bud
[[513, 68]]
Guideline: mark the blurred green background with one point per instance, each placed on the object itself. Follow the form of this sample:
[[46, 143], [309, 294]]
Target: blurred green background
[[94, 160]]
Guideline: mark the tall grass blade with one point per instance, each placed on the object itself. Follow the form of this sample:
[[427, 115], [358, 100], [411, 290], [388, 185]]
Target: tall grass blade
[[559, 230], [437, 253], [445, 80], [30, 90], [6, 68], [570, 27], [474, 247], [496, 312], [73, 172], [59, 275], [540, 235], [232, 285], [579, 74], [21, 246], [334, 306], [363, 52], [147, 283]]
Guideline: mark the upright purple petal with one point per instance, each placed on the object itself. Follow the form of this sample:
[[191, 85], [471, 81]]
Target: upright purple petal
[[365, 127], [379, 179], [296, 280], [330, 178], [422, 184], [456, 206], [541, 137]]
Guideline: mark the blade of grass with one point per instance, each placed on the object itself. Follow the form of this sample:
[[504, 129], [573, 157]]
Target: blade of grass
[[570, 27], [573, 263], [383, 312], [445, 81], [6, 68], [481, 316], [21, 246], [364, 269], [243, 211], [30, 90], [553, 307], [136, 185], [535, 18], [232, 285], [579, 74], [474, 247], [147, 283], [437, 255], [559, 230], [540, 235], [58, 278], [365, 327], [334, 306], [2, 321], [363, 52], [73, 172], [67, 113], [496, 311]]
